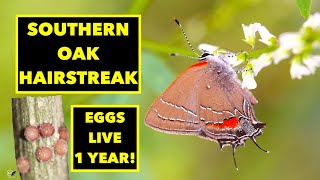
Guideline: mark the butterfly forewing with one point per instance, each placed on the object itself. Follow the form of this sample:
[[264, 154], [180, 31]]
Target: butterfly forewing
[[176, 110]]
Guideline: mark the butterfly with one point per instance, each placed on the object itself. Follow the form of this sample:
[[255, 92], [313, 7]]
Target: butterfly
[[207, 100]]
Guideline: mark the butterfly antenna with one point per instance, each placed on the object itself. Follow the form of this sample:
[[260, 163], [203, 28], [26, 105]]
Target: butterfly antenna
[[234, 159], [190, 57], [255, 142], [185, 36], [242, 70]]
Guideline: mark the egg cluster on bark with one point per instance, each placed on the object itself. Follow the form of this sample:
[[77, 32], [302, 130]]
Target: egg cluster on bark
[[43, 154]]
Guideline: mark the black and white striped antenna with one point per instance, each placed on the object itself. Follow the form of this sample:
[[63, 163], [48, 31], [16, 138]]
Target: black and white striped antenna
[[186, 37]]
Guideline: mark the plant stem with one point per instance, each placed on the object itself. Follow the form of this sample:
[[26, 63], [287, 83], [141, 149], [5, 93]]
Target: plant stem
[[35, 111]]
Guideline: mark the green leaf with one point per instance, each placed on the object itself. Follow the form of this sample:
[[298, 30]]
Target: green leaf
[[304, 7]]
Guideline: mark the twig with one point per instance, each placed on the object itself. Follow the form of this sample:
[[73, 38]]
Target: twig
[[33, 111]]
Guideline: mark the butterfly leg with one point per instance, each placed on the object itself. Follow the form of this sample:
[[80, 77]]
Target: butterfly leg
[[255, 142], [234, 159]]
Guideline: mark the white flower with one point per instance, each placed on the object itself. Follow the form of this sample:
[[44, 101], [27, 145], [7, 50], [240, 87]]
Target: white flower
[[234, 61], [266, 36], [291, 41], [313, 21], [207, 47], [297, 69], [316, 45], [231, 58], [304, 67], [312, 62], [248, 80], [280, 54], [250, 33], [262, 61]]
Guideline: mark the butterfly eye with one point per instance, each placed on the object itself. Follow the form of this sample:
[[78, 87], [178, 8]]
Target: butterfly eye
[[205, 54]]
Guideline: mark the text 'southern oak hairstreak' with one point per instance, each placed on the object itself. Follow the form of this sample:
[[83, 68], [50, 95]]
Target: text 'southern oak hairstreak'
[[207, 100]]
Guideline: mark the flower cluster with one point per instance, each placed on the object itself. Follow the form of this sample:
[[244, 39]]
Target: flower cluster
[[296, 46], [255, 64], [300, 46]]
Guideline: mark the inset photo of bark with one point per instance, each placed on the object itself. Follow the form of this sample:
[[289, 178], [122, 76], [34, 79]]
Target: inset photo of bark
[[40, 137]]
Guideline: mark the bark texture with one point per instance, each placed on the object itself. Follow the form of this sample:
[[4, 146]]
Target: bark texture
[[33, 111]]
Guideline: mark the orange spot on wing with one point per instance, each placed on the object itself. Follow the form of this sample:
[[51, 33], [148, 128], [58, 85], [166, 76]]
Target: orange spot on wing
[[228, 123], [199, 64]]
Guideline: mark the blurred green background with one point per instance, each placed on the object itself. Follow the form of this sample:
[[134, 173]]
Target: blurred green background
[[291, 108]]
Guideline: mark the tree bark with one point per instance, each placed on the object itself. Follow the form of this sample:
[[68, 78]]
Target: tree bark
[[33, 111]]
